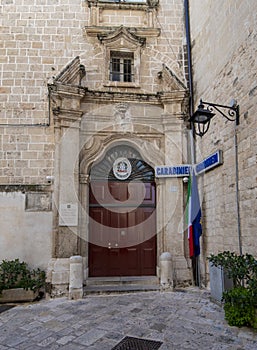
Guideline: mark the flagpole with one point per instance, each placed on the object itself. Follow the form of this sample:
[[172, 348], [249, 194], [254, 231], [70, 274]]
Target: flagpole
[[196, 264], [192, 146], [191, 103]]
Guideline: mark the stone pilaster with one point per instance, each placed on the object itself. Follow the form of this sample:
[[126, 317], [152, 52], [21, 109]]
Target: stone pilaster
[[67, 117]]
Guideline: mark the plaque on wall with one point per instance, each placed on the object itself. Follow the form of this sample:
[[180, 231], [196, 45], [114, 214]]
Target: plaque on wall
[[68, 214], [38, 201]]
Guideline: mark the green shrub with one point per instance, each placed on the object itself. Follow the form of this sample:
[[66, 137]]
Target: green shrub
[[239, 308], [240, 268], [16, 274], [240, 302]]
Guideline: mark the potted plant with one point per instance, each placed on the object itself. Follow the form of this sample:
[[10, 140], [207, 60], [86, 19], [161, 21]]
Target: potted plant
[[18, 282], [240, 302]]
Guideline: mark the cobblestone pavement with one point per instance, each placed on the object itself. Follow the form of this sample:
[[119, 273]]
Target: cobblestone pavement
[[181, 320]]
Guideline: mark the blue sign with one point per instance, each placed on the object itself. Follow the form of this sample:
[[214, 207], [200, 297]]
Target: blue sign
[[172, 171], [210, 162], [207, 164]]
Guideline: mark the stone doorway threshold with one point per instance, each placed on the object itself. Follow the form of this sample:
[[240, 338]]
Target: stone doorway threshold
[[99, 285]]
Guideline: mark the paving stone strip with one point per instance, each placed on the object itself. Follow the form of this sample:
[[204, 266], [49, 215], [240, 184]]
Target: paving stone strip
[[179, 320]]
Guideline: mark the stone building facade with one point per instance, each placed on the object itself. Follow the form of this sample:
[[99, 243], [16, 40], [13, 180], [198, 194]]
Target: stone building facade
[[224, 66], [95, 96]]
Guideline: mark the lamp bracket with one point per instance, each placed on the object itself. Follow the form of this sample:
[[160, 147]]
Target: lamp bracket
[[231, 113]]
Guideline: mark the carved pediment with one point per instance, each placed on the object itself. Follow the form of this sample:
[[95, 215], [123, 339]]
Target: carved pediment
[[121, 36], [66, 92], [170, 81], [71, 74]]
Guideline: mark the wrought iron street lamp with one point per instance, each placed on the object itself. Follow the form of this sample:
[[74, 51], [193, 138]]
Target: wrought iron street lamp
[[205, 112], [201, 119]]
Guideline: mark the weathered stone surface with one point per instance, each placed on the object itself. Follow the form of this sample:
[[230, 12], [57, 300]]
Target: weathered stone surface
[[38, 201], [25, 235], [181, 320], [225, 68], [17, 295]]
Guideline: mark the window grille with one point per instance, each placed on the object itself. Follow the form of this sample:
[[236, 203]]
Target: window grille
[[122, 66], [141, 171]]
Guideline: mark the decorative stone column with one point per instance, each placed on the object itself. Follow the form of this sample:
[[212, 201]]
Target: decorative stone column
[[84, 222], [166, 270], [76, 277], [66, 95]]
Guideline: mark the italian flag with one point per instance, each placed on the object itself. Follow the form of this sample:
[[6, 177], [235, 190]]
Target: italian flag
[[194, 227]]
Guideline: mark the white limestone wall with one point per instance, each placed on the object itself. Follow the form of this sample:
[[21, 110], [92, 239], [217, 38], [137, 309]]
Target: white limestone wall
[[24, 235], [224, 64]]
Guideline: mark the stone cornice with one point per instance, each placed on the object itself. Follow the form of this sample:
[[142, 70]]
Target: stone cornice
[[65, 104], [111, 96], [158, 98], [95, 31], [124, 5], [172, 96], [25, 188], [68, 91], [67, 117]]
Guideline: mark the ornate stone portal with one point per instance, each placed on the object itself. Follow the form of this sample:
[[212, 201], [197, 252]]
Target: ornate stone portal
[[87, 126]]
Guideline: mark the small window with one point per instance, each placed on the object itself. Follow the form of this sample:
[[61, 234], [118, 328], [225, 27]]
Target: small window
[[122, 66]]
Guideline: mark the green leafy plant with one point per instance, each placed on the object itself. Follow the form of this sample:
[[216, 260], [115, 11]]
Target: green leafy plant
[[240, 268], [16, 274], [239, 307], [240, 302]]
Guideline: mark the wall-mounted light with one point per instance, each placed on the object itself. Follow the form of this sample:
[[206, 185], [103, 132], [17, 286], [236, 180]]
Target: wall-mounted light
[[205, 112], [201, 119], [50, 179]]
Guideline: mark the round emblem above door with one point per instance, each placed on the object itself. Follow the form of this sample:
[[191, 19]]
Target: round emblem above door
[[121, 168]]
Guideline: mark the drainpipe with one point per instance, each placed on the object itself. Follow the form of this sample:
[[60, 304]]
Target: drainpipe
[[189, 59], [196, 263], [237, 194], [190, 78]]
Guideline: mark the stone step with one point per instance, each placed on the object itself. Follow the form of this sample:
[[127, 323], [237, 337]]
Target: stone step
[[100, 285], [122, 280]]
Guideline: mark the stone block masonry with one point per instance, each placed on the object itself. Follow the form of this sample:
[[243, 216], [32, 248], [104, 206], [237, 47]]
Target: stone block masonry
[[65, 46], [225, 67], [38, 40], [27, 155]]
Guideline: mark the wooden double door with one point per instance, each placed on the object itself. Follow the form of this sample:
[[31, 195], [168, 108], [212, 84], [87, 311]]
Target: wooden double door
[[122, 229]]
